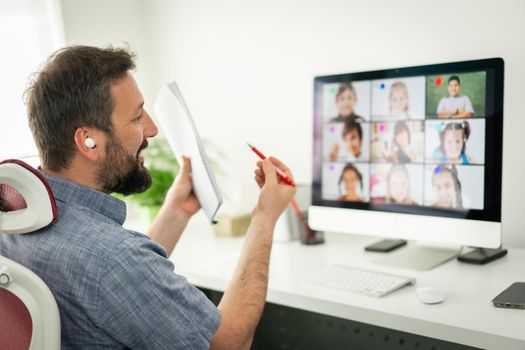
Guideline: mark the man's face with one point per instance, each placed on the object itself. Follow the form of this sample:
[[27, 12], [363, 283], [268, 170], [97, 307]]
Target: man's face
[[122, 169], [453, 88]]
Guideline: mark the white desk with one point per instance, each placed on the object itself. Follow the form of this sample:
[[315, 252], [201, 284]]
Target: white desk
[[465, 317]]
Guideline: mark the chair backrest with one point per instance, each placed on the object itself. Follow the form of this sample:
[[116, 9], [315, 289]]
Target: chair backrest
[[29, 317]]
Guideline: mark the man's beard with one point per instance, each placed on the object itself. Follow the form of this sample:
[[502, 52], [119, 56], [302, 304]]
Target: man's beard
[[122, 172]]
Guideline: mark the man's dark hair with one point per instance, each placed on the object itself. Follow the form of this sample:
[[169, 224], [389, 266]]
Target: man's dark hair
[[454, 77], [72, 90]]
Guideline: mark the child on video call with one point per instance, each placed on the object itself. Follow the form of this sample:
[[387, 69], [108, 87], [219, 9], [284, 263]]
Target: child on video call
[[352, 180], [398, 186], [453, 139], [345, 100], [398, 101], [353, 137], [447, 188], [402, 151], [454, 105]]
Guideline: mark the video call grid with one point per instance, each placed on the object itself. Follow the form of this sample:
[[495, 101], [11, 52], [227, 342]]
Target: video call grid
[[378, 120]]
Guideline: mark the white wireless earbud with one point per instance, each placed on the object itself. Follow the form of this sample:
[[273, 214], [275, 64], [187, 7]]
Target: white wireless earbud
[[90, 143]]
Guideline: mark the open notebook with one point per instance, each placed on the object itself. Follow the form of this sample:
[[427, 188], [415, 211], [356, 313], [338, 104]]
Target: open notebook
[[175, 120]]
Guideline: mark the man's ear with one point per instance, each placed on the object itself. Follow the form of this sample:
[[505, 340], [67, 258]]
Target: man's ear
[[87, 141]]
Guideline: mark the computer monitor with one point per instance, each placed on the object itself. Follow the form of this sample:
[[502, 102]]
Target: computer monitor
[[413, 153]]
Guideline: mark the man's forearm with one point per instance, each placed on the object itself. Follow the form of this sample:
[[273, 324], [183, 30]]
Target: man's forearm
[[244, 299]]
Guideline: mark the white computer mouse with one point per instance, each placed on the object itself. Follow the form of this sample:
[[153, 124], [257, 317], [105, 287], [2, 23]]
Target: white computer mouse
[[430, 295]]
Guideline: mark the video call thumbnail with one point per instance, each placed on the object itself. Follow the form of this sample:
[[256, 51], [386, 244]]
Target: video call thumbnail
[[398, 99], [348, 141], [409, 141], [346, 181], [463, 96], [346, 100], [460, 141], [398, 142], [454, 186], [396, 183]]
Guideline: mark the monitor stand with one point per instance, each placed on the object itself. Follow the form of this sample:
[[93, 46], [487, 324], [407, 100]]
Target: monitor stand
[[420, 257]]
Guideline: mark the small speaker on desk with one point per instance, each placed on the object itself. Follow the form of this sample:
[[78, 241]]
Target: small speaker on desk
[[481, 256]]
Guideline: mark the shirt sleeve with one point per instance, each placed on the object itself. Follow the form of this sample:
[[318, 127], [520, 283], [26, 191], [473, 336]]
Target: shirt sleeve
[[468, 105], [441, 105], [143, 304]]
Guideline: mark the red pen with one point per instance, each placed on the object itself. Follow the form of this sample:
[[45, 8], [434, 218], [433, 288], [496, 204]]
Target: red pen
[[282, 176]]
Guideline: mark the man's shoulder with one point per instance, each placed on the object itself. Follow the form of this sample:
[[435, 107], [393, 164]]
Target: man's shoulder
[[80, 221], [91, 234]]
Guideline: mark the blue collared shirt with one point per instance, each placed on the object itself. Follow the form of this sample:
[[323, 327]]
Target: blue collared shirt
[[115, 288]]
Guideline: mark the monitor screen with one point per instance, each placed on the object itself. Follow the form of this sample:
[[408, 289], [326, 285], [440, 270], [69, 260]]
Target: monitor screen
[[423, 140]]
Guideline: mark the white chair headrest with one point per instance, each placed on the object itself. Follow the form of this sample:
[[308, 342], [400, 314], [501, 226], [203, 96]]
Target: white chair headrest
[[26, 199]]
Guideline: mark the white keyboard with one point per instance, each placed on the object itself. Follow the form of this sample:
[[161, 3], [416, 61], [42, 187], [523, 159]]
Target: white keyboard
[[357, 280]]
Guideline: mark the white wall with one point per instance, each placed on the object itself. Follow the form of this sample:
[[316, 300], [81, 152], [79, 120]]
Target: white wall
[[246, 67], [103, 23]]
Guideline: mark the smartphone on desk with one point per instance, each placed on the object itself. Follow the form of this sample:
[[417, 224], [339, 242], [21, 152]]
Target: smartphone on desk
[[513, 297], [386, 245]]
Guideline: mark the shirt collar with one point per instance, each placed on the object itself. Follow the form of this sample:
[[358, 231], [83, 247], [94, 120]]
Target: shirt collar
[[71, 192]]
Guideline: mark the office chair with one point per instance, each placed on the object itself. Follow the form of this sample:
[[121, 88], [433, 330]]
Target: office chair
[[29, 317]]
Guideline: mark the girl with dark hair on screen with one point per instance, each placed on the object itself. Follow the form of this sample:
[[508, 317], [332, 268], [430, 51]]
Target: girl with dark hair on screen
[[453, 139], [351, 180], [353, 138], [345, 100], [402, 149], [447, 187]]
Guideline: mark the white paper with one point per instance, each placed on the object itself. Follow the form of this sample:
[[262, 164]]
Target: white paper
[[178, 126]]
